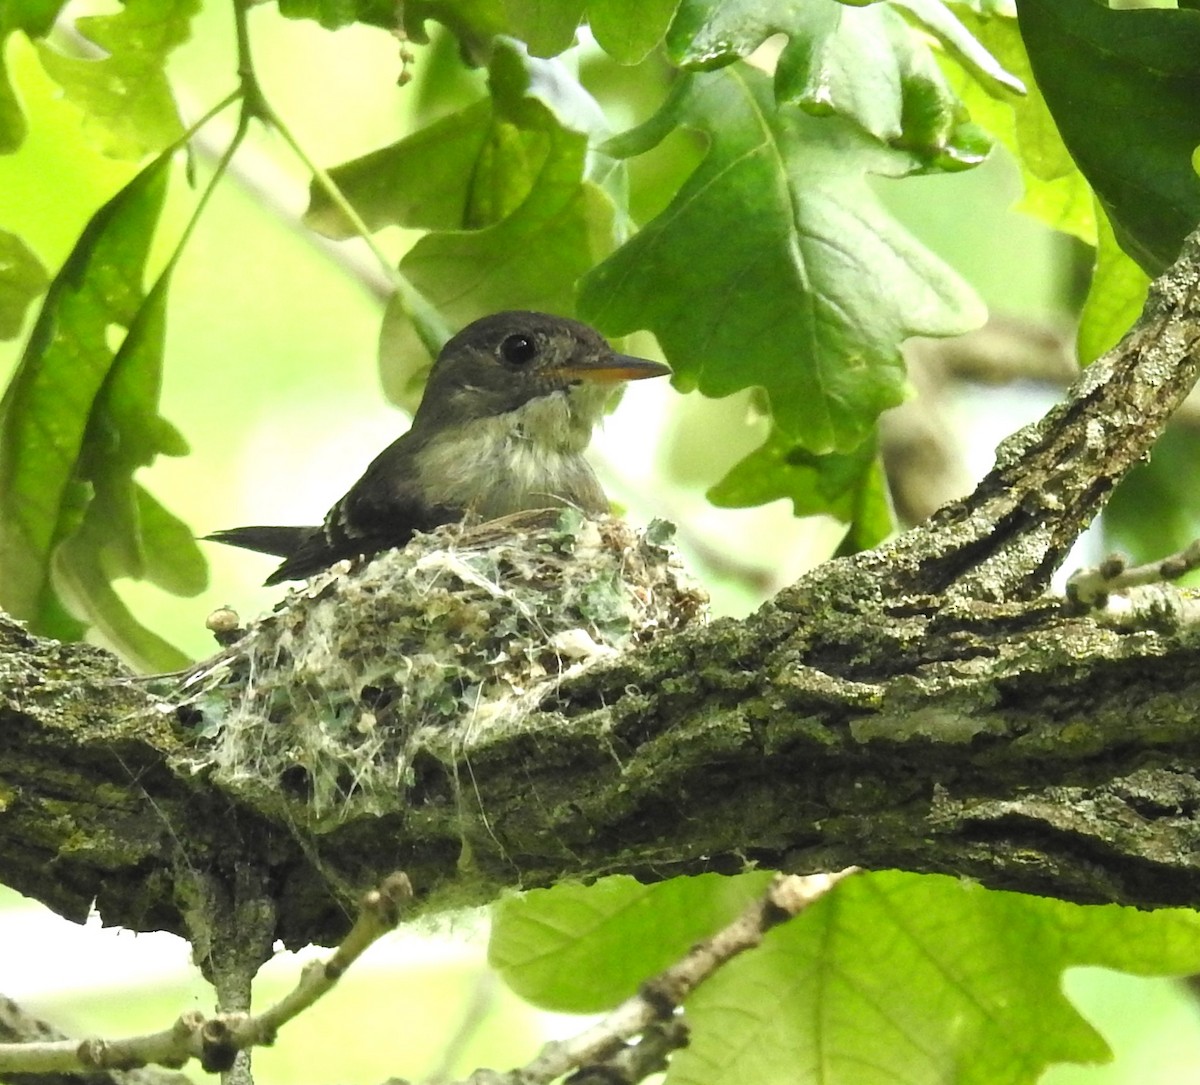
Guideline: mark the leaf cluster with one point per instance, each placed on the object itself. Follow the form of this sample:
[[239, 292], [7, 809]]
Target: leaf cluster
[[771, 263], [766, 260]]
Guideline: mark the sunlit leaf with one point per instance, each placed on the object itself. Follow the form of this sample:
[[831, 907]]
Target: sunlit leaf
[[850, 486], [1056, 193], [79, 418], [899, 977], [546, 26], [332, 14], [891, 977], [784, 271], [475, 23], [1123, 88], [35, 18], [471, 169], [171, 558], [628, 29], [22, 278], [85, 580], [1116, 297], [625, 29], [501, 187], [866, 64], [971, 53], [580, 949], [386, 186], [125, 96]]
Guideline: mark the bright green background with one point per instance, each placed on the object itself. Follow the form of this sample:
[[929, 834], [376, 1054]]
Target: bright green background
[[272, 373], [272, 376]]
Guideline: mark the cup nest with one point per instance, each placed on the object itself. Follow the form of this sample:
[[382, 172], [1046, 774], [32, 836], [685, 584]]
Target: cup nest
[[321, 706]]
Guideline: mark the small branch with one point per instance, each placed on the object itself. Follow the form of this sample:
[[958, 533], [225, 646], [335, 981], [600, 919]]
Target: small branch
[[380, 912], [1138, 597], [214, 1041], [651, 1012], [1092, 587], [1005, 541], [637, 1061], [17, 1026]]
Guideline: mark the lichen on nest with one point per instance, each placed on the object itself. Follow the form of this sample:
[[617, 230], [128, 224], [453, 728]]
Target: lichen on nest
[[321, 706]]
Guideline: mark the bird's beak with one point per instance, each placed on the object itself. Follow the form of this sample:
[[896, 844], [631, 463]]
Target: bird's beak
[[611, 370]]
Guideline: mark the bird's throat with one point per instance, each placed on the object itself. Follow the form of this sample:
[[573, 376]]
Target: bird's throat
[[529, 458]]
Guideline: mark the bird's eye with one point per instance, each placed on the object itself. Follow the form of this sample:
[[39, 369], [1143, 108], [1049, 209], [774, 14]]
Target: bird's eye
[[518, 350]]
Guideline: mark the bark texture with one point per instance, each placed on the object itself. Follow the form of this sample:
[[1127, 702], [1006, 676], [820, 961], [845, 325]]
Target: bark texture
[[925, 706]]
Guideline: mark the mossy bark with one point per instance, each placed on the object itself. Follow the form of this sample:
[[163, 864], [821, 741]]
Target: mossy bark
[[923, 706]]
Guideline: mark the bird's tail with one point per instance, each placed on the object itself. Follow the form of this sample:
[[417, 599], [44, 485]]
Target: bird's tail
[[283, 542]]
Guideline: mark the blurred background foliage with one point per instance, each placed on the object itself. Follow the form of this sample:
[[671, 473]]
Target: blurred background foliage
[[273, 347], [276, 343]]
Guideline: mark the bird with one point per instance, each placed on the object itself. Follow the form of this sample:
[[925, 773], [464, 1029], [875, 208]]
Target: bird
[[501, 428]]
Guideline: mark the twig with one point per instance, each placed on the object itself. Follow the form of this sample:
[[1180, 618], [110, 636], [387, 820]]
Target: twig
[[16, 1025], [214, 1040], [603, 1049], [1092, 587], [1140, 595]]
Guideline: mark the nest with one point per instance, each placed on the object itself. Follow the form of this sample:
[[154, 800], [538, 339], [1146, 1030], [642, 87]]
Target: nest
[[322, 705]]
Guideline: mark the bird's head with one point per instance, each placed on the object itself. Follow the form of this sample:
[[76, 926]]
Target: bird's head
[[506, 361]]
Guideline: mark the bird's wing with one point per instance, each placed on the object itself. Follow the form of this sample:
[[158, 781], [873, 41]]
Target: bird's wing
[[362, 523]]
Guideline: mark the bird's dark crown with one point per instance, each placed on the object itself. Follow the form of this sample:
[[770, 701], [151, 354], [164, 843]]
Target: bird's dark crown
[[501, 362]]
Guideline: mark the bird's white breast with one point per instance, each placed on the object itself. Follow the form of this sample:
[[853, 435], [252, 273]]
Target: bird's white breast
[[529, 458]]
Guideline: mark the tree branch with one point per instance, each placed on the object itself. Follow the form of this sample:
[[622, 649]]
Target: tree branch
[[1050, 479], [920, 706], [214, 1041]]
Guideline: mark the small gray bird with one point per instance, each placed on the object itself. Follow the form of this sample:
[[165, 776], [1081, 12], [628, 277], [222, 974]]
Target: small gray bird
[[506, 416]]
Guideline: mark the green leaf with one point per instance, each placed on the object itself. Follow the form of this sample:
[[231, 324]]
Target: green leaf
[[581, 949], [625, 29], [1006, 8], [514, 222], [628, 29], [475, 23], [427, 181], [1056, 193], [921, 979], [530, 259], [1123, 88], [865, 64], [471, 169], [850, 486], [125, 97], [171, 558], [35, 18], [969, 51], [785, 272], [891, 977], [85, 581], [1115, 298], [546, 26], [78, 419], [332, 14], [22, 278]]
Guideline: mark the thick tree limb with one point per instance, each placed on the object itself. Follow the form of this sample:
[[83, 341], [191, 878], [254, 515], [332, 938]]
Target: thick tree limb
[[921, 706], [1050, 479]]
